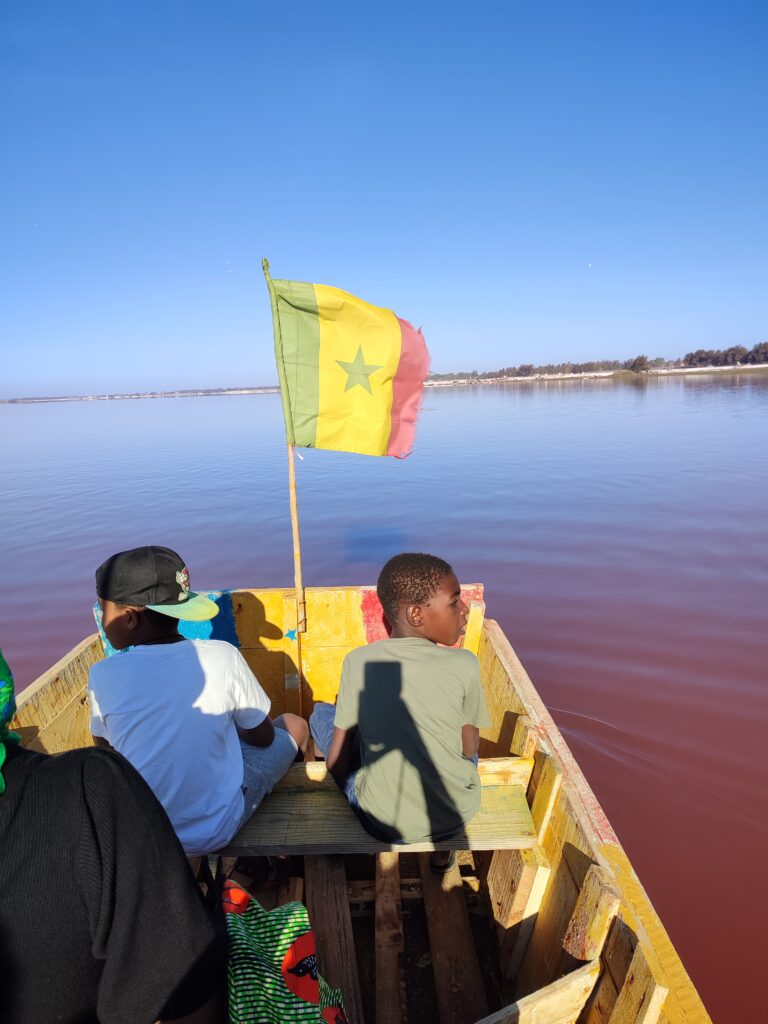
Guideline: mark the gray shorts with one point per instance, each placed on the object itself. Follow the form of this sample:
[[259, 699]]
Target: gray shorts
[[263, 767]]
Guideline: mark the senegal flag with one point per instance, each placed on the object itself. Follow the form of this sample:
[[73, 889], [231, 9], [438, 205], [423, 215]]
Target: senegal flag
[[351, 374]]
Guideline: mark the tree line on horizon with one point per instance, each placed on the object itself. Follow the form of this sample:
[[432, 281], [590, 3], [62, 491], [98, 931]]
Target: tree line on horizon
[[736, 355]]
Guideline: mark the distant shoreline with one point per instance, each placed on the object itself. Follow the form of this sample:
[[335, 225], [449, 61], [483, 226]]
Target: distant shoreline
[[453, 382], [118, 397], [667, 371]]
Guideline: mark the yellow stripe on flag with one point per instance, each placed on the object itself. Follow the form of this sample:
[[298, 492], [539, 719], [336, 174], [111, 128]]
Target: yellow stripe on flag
[[358, 359]]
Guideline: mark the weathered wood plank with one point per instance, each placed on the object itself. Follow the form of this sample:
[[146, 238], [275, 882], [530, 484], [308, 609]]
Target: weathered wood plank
[[601, 1002], [525, 739], [52, 713], [594, 913], [391, 1005], [505, 771], [364, 890], [69, 729], [290, 890], [516, 882], [560, 1002], [543, 956], [618, 952], [504, 706], [641, 997], [474, 627], [461, 997], [493, 771], [326, 898], [547, 786], [321, 822]]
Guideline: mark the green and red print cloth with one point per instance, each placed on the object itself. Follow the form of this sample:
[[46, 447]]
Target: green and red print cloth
[[272, 974]]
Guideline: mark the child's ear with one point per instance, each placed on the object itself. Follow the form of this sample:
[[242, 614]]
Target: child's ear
[[132, 618], [414, 615]]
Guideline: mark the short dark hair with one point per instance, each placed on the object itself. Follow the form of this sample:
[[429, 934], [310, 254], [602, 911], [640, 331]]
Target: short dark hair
[[410, 578]]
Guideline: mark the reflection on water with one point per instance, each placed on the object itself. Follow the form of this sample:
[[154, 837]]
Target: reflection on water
[[619, 529]]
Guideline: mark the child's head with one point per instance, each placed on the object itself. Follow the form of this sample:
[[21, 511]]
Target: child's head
[[143, 593], [420, 595]]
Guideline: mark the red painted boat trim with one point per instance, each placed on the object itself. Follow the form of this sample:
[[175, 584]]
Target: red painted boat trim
[[373, 617], [373, 614]]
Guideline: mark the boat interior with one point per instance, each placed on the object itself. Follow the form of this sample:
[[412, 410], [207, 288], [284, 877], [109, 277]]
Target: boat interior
[[541, 919]]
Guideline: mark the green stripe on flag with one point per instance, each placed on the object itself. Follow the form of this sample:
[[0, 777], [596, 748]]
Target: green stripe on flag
[[297, 350]]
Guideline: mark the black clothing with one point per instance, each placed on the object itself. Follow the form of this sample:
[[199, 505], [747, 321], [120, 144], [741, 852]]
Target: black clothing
[[101, 921]]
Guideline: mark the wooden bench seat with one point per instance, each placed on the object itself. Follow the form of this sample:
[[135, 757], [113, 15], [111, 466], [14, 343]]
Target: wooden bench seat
[[307, 814]]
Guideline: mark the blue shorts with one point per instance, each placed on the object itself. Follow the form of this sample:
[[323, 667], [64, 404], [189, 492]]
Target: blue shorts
[[321, 727], [263, 767]]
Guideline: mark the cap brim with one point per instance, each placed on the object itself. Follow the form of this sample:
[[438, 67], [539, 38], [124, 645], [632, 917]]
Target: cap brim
[[197, 609]]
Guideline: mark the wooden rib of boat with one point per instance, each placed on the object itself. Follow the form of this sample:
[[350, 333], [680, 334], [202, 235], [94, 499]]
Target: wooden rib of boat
[[547, 928]]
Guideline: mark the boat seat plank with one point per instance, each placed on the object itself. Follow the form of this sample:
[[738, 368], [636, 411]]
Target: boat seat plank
[[325, 885], [493, 771], [320, 821]]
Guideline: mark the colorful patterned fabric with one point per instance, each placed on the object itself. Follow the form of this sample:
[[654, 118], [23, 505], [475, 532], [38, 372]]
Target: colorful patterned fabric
[[272, 974], [351, 374], [7, 711]]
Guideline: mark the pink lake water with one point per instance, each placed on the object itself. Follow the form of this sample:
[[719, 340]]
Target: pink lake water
[[620, 530]]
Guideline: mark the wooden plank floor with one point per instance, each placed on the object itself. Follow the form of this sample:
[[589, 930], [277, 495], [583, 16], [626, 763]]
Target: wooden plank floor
[[321, 822], [325, 886], [391, 1000], [458, 983], [461, 997]]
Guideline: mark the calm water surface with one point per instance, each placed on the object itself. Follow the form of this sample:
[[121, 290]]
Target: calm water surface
[[620, 532]]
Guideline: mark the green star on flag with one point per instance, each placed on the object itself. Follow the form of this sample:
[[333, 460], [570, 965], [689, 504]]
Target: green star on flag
[[358, 371]]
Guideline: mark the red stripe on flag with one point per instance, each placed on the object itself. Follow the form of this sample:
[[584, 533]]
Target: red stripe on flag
[[407, 389]]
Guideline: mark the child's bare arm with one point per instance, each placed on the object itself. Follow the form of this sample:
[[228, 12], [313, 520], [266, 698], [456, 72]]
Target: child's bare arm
[[260, 736], [470, 740], [339, 755]]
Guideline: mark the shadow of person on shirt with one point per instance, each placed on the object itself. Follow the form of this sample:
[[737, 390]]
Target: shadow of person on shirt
[[385, 724]]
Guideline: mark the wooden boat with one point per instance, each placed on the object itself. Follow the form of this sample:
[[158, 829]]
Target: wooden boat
[[543, 920]]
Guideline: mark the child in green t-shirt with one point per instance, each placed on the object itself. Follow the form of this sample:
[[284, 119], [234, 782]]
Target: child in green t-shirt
[[403, 738]]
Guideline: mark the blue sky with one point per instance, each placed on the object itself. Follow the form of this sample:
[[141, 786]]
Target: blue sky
[[528, 182]]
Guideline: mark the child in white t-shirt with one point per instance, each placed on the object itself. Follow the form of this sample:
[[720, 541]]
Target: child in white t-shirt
[[188, 714]]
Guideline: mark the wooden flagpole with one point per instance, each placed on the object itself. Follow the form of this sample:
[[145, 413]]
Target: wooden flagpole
[[301, 604]]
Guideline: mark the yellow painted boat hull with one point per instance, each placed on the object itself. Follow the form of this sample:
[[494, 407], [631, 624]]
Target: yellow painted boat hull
[[574, 933]]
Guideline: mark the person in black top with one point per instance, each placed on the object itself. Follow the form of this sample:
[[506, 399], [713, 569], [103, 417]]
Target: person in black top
[[101, 921]]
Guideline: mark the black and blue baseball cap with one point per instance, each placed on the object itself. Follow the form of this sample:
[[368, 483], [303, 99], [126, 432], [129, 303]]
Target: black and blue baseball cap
[[153, 577]]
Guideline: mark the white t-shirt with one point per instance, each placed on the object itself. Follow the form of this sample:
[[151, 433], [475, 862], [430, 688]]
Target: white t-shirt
[[170, 709]]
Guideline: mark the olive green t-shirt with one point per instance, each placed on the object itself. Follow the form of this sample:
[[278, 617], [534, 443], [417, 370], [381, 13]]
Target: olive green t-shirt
[[409, 699]]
